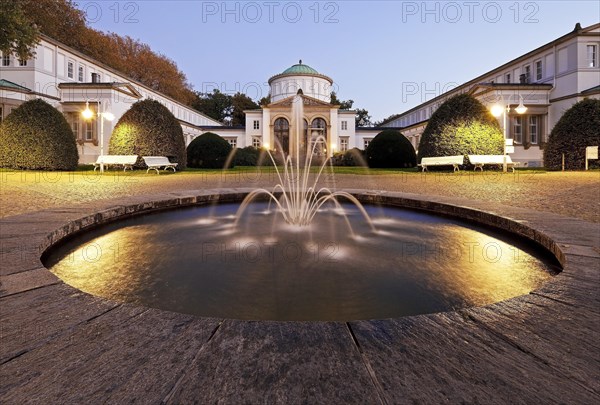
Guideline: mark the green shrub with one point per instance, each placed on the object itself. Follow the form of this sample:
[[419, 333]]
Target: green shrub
[[461, 126], [390, 149], [208, 151], [148, 128], [352, 157], [577, 128], [247, 156], [37, 136]]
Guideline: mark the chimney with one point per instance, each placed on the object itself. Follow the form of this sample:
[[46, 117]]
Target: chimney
[[95, 78]]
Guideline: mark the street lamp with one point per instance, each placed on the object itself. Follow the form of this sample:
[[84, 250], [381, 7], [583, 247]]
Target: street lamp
[[102, 115], [497, 110]]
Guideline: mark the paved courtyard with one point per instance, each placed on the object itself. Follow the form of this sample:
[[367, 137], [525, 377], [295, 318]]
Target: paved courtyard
[[59, 345]]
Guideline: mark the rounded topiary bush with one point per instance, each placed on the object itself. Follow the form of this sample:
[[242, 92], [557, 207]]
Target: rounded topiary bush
[[208, 151], [577, 128], [148, 128], [461, 126], [390, 149], [37, 136], [247, 156]]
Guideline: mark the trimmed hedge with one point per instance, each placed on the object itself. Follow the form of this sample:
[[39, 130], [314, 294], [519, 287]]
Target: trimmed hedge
[[247, 156], [461, 126], [37, 136], [390, 149], [352, 157], [148, 128], [209, 151], [577, 128]]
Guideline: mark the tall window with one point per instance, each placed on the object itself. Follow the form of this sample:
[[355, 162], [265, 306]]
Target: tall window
[[343, 144], [232, 142], [318, 128], [344, 125], [527, 74], [256, 142], [507, 78], [5, 60], [22, 62], [83, 130], [256, 124], [282, 134], [534, 129], [538, 70], [518, 129], [592, 55], [70, 70], [80, 77]]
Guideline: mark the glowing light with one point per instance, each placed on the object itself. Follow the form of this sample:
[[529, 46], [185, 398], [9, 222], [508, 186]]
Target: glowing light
[[266, 145], [108, 116], [497, 110], [521, 109], [87, 113]]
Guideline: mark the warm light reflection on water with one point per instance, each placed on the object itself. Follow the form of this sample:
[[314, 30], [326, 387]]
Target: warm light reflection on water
[[413, 263]]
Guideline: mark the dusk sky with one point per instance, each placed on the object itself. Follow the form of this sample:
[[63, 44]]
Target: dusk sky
[[379, 53]]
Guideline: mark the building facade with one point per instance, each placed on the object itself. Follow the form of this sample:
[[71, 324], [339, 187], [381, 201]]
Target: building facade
[[549, 80]]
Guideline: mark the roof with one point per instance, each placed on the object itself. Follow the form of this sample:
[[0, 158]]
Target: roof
[[300, 68], [10, 85]]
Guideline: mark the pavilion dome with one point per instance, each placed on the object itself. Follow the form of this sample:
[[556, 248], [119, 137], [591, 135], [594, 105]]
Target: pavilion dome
[[300, 68], [300, 77]]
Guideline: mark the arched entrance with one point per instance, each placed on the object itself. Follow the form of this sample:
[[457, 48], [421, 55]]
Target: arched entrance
[[318, 128], [282, 134]]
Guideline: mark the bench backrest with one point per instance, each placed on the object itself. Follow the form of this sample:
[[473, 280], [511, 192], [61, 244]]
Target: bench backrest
[[156, 160], [117, 159], [489, 159], [443, 160]]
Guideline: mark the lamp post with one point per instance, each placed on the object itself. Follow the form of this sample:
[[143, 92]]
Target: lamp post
[[102, 115], [497, 110]]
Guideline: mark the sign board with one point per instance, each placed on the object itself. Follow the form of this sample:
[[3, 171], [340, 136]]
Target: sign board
[[510, 149], [591, 152], [508, 142]]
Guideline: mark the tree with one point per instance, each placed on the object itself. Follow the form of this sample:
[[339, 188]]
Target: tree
[[363, 119], [390, 149], [37, 136], [216, 105], [344, 105], [266, 100], [461, 126], [209, 151], [18, 33], [148, 128], [241, 102], [578, 127]]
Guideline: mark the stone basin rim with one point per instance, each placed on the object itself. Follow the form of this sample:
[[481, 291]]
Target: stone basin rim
[[150, 204]]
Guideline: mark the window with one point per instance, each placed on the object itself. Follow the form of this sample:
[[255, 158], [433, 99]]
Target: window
[[89, 130], [282, 134], [80, 77], [70, 70], [256, 124], [343, 144], [256, 142], [84, 131], [1, 116], [527, 74], [592, 55], [344, 125], [518, 129], [5, 60], [366, 142], [533, 129], [538, 70], [232, 142], [22, 62]]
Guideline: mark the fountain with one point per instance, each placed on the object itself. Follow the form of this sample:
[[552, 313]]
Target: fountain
[[242, 261]]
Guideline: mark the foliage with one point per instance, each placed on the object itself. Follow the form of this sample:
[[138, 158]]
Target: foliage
[[62, 21], [37, 136], [385, 120], [461, 126], [363, 119], [390, 149], [18, 34], [577, 128], [148, 128], [352, 157], [248, 156], [344, 105], [223, 107], [208, 151], [266, 100]]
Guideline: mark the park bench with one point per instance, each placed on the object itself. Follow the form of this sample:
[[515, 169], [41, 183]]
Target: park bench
[[481, 160], [453, 161], [156, 162], [127, 161]]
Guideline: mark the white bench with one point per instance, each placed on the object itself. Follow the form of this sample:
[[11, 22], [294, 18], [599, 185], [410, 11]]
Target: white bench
[[453, 161], [156, 162], [127, 161], [480, 160]]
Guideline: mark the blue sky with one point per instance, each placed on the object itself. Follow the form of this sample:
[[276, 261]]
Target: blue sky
[[387, 56]]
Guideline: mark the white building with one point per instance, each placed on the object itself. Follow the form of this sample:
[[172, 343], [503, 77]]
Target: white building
[[549, 79], [68, 79]]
